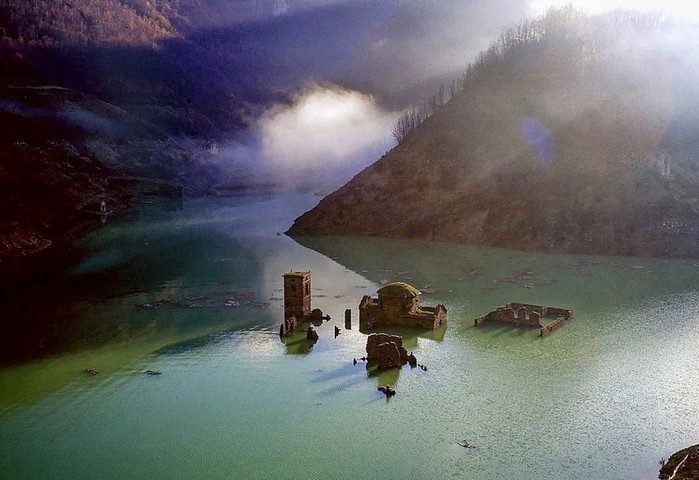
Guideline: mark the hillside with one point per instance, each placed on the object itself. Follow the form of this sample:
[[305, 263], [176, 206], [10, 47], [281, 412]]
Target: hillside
[[132, 53], [62, 153], [572, 133]]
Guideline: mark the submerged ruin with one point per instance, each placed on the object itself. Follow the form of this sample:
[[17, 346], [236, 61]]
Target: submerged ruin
[[527, 315], [386, 351], [398, 305], [297, 294], [297, 302]]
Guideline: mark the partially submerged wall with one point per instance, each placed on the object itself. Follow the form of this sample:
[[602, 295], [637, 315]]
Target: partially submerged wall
[[406, 313], [527, 315], [518, 317], [546, 329]]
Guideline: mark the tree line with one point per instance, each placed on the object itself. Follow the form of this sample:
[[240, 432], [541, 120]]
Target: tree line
[[558, 24]]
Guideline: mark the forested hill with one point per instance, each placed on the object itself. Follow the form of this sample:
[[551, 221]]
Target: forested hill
[[572, 133], [142, 55], [92, 109]]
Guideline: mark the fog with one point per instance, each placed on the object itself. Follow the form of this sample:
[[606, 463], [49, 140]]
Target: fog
[[317, 140], [682, 9], [324, 127]]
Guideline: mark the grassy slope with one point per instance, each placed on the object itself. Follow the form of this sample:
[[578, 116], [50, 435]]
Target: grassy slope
[[623, 178]]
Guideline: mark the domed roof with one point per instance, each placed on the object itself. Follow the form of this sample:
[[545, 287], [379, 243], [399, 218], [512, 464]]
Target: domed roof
[[398, 290]]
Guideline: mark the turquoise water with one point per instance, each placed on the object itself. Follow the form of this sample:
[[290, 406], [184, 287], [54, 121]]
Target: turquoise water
[[604, 397]]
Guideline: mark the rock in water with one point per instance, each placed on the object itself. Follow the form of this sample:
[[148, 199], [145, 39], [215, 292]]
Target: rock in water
[[316, 315], [387, 356], [388, 391], [311, 334], [386, 351]]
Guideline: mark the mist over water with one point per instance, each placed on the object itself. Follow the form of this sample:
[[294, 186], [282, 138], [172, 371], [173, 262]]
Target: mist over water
[[319, 139]]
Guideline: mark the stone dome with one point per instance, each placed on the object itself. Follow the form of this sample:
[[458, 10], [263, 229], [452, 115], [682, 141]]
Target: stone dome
[[398, 290]]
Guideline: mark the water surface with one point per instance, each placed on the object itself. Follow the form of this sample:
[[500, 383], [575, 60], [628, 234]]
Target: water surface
[[604, 397]]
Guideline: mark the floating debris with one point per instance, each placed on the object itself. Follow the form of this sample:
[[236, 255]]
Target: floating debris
[[91, 371], [236, 299], [388, 391], [465, 444], [154, 305], [152, 372]]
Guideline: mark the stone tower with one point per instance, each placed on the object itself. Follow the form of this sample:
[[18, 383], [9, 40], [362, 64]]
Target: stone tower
[[297, 294]]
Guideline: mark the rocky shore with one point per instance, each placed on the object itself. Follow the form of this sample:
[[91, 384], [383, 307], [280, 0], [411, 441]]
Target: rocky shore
[[683, 465]]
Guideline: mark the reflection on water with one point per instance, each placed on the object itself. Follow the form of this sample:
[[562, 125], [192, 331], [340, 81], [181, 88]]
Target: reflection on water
[[196, 294]]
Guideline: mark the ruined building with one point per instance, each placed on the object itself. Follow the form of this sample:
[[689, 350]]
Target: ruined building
[[398, 305], [527, 315], [297, 295]]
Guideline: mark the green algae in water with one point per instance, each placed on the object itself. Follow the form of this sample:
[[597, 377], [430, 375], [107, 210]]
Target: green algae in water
[[605, 396]]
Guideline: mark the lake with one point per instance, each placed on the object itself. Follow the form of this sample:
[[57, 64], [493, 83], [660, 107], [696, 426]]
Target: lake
[[193, 291]]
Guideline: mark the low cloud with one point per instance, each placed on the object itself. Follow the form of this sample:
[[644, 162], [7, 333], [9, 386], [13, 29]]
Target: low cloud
[[325, 131]]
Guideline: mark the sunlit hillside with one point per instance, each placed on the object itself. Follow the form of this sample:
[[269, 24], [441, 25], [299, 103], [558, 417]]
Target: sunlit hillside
[[571, 133]]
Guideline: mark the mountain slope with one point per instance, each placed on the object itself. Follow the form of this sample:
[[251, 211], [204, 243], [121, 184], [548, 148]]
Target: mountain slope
[[62, 153], [573, 133]]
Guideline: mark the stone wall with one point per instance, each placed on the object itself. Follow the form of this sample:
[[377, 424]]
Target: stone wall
[[509, 315], [288, 325], [546, 329], [297, 294], [369, 310], [403, 312], [395, 308], [526, 315]]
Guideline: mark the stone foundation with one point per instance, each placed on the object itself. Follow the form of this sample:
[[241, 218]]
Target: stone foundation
[[527, 315], [547, 329]]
